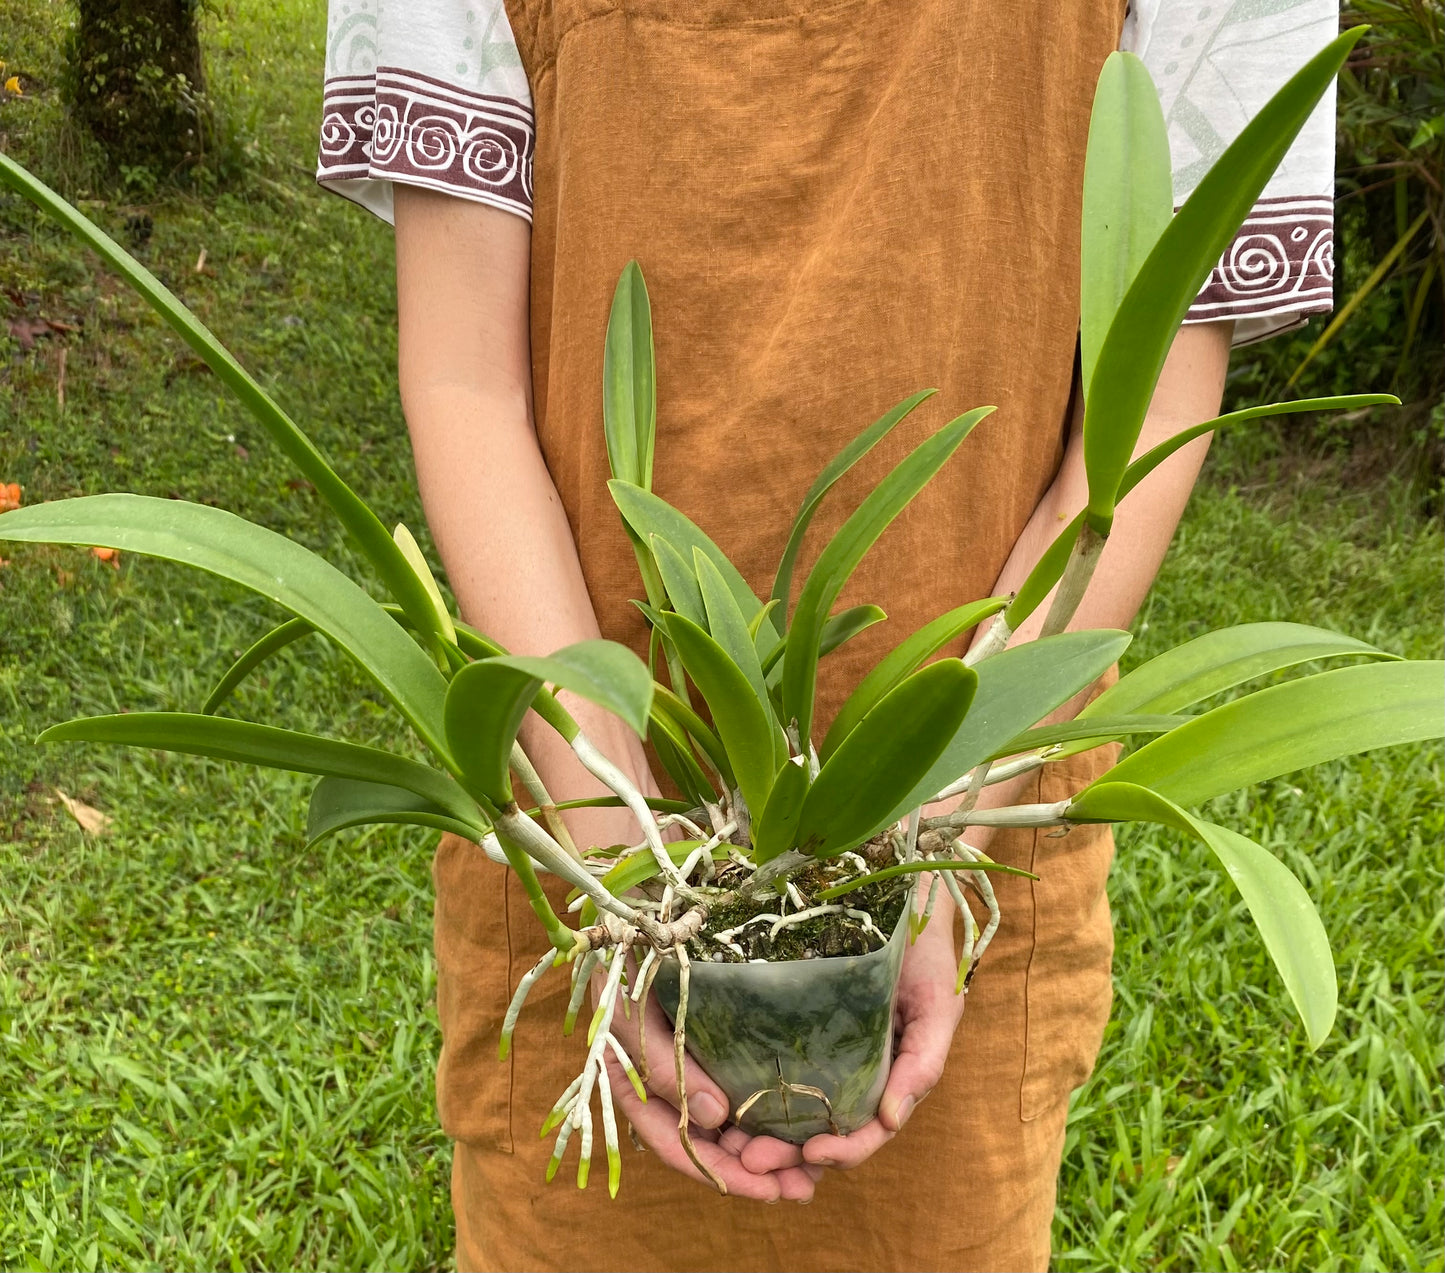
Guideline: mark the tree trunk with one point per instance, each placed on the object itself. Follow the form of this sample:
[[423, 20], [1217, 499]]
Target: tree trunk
[[137, 81]]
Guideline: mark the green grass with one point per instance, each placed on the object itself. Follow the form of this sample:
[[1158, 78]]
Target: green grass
[[216, 1048]]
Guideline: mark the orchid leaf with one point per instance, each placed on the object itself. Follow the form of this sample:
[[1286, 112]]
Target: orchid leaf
[[666, 703], [271, 748], [272, 565], [729, 629], [845, 550], [1017, 688], [1133, 351], [854, 794], [629, 381], [1128, 194], [340, 803], [748, 733], [680, 580], [646, 514], [485, 707], [1088, 733], [1286, 918], [1291, 726], [1220, 660], [901, 661], [832, 471], [774, 829], [603, 672]]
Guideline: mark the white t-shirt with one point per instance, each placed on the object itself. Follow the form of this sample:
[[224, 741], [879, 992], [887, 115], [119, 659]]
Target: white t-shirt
[[432, 93]]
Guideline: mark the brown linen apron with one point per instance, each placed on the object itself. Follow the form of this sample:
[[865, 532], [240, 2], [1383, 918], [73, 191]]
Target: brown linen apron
[[835, 203]]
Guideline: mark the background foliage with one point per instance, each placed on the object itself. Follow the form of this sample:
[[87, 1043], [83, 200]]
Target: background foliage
[[216, 1049]]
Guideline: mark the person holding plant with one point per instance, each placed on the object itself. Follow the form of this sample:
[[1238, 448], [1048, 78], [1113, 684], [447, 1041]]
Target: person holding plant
[[836, 204]]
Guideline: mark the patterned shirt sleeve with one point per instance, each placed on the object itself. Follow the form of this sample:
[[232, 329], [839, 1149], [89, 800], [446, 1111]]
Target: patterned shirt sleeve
[[1216, 62], [427, 92]]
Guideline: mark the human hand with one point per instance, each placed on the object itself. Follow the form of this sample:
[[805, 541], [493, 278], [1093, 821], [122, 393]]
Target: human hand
[[927, 1013], [718, 1147], [724, 1151]]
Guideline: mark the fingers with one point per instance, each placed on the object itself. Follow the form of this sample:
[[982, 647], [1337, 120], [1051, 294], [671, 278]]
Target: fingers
[[767, 1153], [846, 1152], [656, 1125], [922, 1051]]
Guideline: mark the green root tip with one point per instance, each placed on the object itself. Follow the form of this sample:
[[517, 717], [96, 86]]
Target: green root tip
[[552, 1164], [614, 1173], [504, 1047], [584, 1168], [592, 1029], [551, 1121], [636, 1081], [569, 1023], [962, 977]]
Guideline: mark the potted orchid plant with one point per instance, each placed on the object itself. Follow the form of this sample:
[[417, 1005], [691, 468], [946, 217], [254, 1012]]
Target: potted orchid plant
[[779, 890]]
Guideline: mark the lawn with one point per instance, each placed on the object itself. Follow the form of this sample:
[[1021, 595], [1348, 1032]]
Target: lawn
[[216, 1047]]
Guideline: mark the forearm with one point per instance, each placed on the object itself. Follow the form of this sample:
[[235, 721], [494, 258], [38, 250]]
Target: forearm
[[509, 554], [464, 363]]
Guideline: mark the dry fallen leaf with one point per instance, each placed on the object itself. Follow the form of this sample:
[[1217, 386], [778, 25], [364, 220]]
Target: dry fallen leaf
[[91, 821]]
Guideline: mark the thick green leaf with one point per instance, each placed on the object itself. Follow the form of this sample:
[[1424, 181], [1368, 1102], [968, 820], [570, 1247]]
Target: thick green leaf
[[902, 660], [1287, 920], [773, 831], [840, 629], [339, 803], [729, 629], [629, 383], [843, 553], [1291, 726], [1128, 195], [1017, 688], [360, 522], [277, 639], [272, 565], [670, 743], [855, 794], [272, 748], [845, 625], [646, 514], [603, 672], [832, 471], [1155, 456], [1133, 351], [679, 580], [1088, 733], [747, 732], [1219, 661], [485, 707], [1050, 567], [665, 702]]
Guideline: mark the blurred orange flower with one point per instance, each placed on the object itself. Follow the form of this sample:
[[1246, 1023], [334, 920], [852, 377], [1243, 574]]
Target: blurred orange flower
[[9, 496]]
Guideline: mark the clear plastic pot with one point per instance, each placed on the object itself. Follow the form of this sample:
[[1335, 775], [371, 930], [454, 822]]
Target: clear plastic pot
[[792, 1030]]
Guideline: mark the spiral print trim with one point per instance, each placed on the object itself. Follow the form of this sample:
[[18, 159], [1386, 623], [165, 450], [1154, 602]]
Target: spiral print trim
[[401, 126], [1281, 261]]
